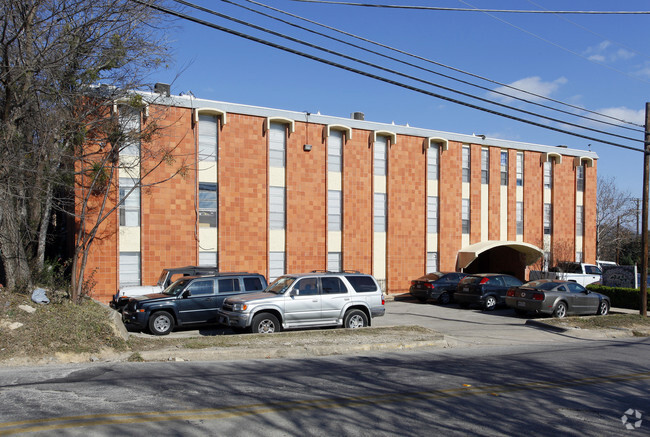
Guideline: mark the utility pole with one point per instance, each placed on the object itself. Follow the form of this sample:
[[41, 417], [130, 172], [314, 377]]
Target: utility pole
[[644, 216]]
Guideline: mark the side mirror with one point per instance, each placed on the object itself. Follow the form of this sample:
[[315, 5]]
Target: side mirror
[[186, 294], [295, 292], [586, 291]]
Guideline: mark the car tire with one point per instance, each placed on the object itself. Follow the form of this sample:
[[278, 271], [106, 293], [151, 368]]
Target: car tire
[[265, 323], [355, 319], [444, 299], [490, 303], [603, 308], [520, 312], [560, 310], [161, 323]]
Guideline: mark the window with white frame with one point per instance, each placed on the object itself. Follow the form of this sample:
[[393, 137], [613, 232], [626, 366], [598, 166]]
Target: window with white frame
[[548, 174], [432, 214], [334, 261], [465, 163], [277, 144], [432, 262], [520, 169], [580, 220], [334, 151], [433, 154], [504, 168], [130, 203], [334, 217], [208, 137], [580, 178], [548, 218], [129, 269], [520, 218], [208, 259], [208, 205], [380, 150], [129, 119], [379, 212], [276, 207], [485, 166], [276, 265], [466, 216]]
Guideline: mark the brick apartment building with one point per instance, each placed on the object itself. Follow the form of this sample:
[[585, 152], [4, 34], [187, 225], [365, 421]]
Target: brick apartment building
[[275, 191]]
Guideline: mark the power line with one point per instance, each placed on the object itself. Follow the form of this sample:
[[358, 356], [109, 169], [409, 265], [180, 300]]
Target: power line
[[508, 11], [453, 69], [374, 76]]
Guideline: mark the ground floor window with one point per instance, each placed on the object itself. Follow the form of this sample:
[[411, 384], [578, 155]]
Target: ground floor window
[[334, 261], [208, 259], [432, 262], [129, 269], [276, 265]]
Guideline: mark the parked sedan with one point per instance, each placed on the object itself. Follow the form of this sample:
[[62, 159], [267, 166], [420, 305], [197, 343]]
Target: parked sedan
[[486, 290], [559, 298], [438, 287]]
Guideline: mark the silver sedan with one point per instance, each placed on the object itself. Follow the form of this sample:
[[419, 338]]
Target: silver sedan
[[559, 298]]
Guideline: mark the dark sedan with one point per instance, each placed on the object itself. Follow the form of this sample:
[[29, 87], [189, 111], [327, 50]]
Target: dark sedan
[[438, 287], [486, 290], [559, 298]]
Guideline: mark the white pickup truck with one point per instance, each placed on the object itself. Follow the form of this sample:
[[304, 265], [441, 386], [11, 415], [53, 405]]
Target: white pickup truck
[[583, 274]]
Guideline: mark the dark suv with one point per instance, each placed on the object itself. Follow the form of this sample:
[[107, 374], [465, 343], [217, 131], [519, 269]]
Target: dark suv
[[438, 287], [486, 290], [189, 300]]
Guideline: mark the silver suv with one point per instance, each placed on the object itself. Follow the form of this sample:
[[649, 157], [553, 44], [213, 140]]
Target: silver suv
[[307, 300]]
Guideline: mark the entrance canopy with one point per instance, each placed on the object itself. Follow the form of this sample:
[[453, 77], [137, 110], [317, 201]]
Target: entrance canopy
[[468, 254]]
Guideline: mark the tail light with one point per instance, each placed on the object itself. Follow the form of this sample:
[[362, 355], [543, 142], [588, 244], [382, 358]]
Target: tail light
[[538, 296], [383, 300], [484, 281], [413, 282], [429, 285], [511, 292]]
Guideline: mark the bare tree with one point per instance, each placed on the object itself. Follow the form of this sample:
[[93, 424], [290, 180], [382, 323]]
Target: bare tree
[[615, 215]]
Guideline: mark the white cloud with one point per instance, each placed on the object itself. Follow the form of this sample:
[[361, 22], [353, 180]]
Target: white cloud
[[605, 52], [533, 84], [623, 113]]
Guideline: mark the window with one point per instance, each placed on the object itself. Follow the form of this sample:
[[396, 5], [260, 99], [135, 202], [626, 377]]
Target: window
[[208, 137], [580, 178], [207, 205], [432, 162], [548, 215], [202, 287], [276, 265], [277, 144], [362, 283], [432, 214], [580, 220], [465, 163], [520, 169], [334, 261], [334, 151], [380, 148], [129, 268], [251, 284], [520, 218], [432, 262], [208, 258], [504, 168], [228, 285], [546, 261], [380, 212], [485, 166], [333, 285], [548, 175], [130, 203], [333, 210], [578, 257], [465, 213], [307, 287], [276, 207], [130, 125]]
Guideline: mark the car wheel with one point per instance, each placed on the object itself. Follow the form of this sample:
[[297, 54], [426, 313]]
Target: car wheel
[[161, 323], [444, 299], [265, 323], [560, 310], [520, 312], [603, 308], [355, 319], [490, 303]]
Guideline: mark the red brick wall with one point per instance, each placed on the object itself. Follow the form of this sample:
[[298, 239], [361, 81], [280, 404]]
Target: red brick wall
[[533, 199], [357, 203], [449, 236], [494, 219], [589, 241], [475, 194], [564, 211], [306, 200], [406, 213]]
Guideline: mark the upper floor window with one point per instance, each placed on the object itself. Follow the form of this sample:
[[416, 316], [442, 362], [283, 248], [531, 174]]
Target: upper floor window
[[548, 218], [465, 216], [276, 207], [334, 151], [548, 175], [580, 178], [380, 212], [504, 168], [485, 166], [208, 137], [432, 214], [520, 218], [207, 205], [277, 144], [129, 118], [334, 210], [580, 220], [380, 150], [433, 154], [466, 163], [130, 203], [520, 169]]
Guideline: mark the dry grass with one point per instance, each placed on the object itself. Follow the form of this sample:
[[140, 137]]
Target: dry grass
[[634, 322]]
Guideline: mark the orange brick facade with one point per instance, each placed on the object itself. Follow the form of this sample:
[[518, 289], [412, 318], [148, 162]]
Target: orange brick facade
[[169, 228]]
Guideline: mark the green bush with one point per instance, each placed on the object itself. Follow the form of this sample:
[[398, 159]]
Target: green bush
[[620, 297]]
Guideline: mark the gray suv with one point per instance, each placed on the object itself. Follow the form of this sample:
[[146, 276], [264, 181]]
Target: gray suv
[[306, 300]]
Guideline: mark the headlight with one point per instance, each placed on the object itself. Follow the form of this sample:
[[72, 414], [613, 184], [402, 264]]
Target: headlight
[[239, 307]]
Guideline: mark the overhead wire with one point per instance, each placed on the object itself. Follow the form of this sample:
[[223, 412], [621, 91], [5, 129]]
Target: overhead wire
[[374, 76]]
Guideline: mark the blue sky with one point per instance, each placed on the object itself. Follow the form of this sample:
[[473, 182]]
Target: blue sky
[[597, 62]]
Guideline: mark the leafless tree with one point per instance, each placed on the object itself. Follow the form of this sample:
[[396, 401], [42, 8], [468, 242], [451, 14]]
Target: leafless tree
[[615, 216]]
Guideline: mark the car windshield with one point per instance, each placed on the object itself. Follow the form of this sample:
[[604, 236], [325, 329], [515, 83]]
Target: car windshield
[[163, 278], [176, 288], [280, 285]]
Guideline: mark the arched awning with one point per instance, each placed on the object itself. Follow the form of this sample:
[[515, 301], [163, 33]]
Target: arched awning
[[471, 252]]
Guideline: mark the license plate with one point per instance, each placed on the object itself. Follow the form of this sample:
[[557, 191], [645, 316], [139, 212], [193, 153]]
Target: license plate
[[521, 304], [465, 288]]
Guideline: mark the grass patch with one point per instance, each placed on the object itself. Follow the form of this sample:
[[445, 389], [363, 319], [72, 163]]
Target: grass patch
[[635, 322]]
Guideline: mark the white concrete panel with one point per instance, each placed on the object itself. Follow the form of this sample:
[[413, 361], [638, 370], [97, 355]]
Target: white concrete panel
[[464, 241], [520, 194], [432, 188], [547, 195], [276, 177], [379, 184], [334, 239], [579, 244], [129, 239], [334, 181], [485, 211], [580, 198], [208, 239], [504, 213], [465, 191], [208, 171], [277, 239], [547, 243], [379, 255], [129, 167], [432, 243], [519, 238]]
